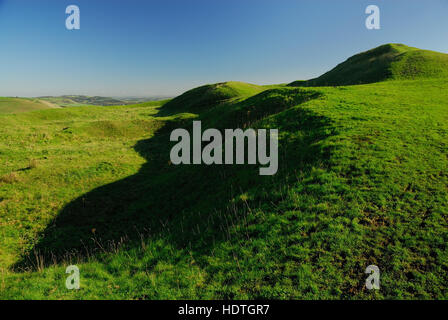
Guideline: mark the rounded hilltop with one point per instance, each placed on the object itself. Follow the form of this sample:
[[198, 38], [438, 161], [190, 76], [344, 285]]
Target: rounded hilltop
[[200, 98], [393, 61]]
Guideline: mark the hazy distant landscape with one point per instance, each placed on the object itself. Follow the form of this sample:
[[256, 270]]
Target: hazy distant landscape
[[76, 101], [362, 180], [17, 104]]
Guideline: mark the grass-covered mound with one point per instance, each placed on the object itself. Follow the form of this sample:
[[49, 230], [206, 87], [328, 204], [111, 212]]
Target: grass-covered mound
[[362, 180], [198, 99], [389, 61], [16, 105]]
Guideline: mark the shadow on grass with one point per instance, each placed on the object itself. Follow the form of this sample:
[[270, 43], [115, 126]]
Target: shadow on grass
[[185, 205]]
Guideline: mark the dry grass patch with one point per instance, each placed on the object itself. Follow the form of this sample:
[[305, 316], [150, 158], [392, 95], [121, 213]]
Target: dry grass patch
[[10, 178]]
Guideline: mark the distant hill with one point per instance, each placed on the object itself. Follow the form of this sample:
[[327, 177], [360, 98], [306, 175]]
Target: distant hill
[[15, 105], [79, 100], [387, 62]]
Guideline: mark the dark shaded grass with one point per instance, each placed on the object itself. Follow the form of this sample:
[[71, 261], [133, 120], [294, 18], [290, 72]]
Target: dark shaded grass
[[184, 204]]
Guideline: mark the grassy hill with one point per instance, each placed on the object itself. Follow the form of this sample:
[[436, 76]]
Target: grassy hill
[[15, 105], [387, 62], [362, 180], [207, 96]]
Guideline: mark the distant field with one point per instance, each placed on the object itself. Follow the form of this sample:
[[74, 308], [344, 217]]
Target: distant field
[[15, 105], [19, 105], [78, 101]]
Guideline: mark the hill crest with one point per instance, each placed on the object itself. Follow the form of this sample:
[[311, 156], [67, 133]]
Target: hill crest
[[387, 62], [200, 98]]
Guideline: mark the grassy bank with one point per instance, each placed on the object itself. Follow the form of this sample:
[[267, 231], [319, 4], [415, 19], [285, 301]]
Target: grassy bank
[[362, 180]]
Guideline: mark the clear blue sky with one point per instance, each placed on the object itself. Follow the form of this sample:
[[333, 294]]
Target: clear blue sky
[[164, 47]]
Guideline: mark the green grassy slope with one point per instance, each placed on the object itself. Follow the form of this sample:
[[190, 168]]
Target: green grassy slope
[[15, 105], [390, 61], [207, 96], [362, 180], [51, 156]]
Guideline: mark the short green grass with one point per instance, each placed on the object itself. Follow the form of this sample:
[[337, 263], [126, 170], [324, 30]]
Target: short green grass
[[16, 105], [362, 180]]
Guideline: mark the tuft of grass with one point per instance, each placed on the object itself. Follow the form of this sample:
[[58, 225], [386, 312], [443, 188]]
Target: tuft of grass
[[10, 178], [33, 163]]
